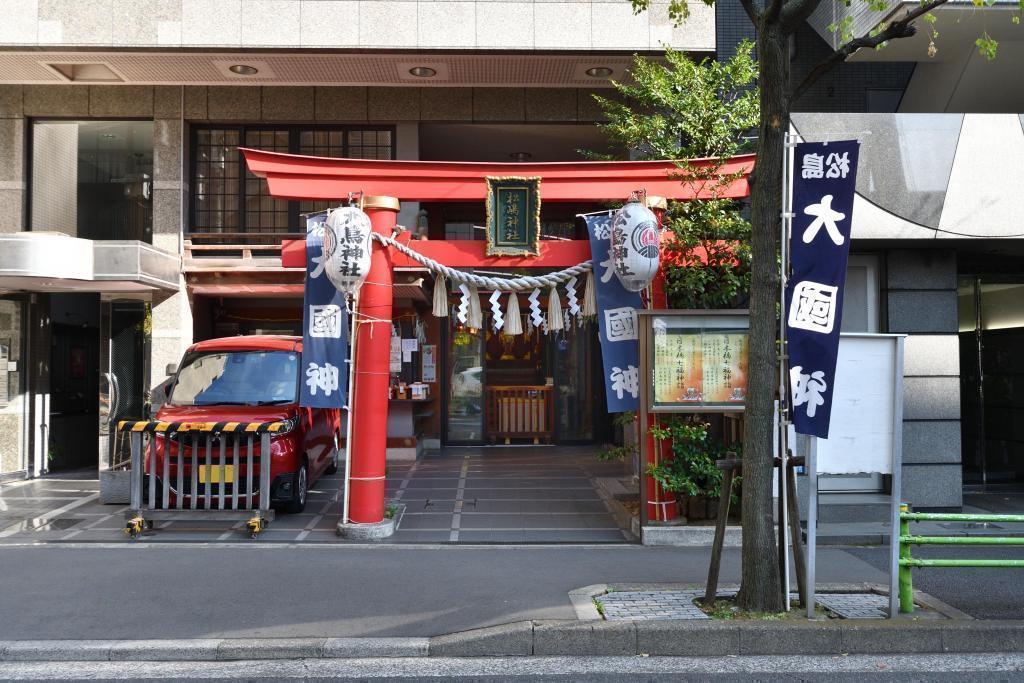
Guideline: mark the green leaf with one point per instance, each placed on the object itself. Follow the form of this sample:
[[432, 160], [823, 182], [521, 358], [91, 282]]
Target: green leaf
[[987, 46]]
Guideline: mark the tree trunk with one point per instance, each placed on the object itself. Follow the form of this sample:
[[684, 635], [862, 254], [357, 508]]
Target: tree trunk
[[760, 586]]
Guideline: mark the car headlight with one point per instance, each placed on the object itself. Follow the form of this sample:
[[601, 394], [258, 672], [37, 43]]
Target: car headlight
[[289, 425]]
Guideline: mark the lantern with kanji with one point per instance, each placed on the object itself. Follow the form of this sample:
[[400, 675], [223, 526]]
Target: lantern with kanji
[[347, 248], [635, 245]]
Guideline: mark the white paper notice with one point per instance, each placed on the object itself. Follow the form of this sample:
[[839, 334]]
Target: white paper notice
[[410, 345], [429, 363], [396, 354]]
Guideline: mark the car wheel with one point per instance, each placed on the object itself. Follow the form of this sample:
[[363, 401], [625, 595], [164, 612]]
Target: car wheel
[[332, 468], [299, 491]]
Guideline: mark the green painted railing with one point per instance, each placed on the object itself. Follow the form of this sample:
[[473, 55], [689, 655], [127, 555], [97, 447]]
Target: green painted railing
[[906, 540]]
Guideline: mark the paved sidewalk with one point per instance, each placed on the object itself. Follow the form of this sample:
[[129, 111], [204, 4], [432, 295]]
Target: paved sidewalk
[[465, 495]]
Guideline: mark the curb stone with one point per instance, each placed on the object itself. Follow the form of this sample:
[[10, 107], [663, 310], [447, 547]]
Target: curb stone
[[566, 638]]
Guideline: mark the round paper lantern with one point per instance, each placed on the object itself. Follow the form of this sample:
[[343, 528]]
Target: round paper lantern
[[347, 247], [635, 246]]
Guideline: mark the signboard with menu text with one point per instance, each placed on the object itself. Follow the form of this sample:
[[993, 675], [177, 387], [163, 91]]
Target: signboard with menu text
[[697, 359]]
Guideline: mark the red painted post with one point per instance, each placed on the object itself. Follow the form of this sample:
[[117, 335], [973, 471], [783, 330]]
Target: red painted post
[[373, 350], [662, 505]]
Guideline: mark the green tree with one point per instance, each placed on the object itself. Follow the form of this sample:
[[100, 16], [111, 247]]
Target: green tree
[[683, 109], [775, 22]]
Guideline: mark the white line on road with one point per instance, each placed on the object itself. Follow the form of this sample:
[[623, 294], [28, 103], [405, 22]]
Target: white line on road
[[459, 493], [49, 516]]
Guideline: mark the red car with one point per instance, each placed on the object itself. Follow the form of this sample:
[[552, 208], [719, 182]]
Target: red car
[[253, 379]]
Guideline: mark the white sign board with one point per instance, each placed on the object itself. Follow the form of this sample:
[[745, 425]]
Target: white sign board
[[860, 437]]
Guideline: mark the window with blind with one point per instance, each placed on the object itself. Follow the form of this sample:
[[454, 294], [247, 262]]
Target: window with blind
[[226, 198]]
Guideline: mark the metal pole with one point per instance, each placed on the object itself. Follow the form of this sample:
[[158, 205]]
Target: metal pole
[[812, 520], [348, 408], [641, 418], [896, 476], [906, 590], [783, 432]]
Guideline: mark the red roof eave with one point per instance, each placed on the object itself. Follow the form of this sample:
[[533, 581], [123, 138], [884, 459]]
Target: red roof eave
[[294, 176]]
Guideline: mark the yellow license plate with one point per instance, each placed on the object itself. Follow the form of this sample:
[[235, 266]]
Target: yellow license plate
[[211, 474]]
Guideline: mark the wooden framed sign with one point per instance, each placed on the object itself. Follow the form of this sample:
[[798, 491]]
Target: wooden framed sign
[[513, 216]]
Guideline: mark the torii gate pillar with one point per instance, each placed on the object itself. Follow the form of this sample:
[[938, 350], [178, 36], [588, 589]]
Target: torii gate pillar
[[369, 400]]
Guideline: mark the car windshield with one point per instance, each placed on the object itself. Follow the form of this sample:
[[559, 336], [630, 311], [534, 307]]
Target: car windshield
[[237, 378]]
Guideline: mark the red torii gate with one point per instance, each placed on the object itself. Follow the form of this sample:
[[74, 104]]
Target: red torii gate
[[385, 184]]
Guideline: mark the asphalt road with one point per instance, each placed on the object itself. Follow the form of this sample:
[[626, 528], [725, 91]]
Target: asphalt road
[[167, 590], [854, 668], [982, 593]]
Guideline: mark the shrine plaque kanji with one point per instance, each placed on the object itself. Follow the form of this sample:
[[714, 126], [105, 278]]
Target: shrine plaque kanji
[[513, 216]]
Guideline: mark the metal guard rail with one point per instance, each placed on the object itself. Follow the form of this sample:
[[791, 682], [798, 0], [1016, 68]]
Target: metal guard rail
[[906, 539], [220, 483]]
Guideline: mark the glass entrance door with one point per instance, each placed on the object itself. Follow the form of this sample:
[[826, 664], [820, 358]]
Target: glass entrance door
[[576, 383], [992, 381], [464, 419]]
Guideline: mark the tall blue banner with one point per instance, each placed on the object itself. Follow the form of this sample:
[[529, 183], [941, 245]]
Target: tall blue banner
[[824, 182], [617, 320], [324, 372]]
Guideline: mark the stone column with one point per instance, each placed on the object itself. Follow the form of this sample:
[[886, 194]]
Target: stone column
[[922, 302]]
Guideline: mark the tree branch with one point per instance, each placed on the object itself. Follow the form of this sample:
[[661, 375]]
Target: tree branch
[[903, 28], [793, 13], [748, 7]]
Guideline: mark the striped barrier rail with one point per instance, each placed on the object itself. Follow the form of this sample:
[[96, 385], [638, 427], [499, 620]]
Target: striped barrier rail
[[200, 470]]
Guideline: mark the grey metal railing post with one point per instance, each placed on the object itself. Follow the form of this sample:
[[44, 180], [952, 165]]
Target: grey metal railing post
[[237, 473], [265, 472], [152, 472], [138, 471]]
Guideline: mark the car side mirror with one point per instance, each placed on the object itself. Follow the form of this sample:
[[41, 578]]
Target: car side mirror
[[171, 369]]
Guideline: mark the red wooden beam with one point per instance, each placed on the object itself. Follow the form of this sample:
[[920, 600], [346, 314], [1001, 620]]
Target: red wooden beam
[[294, 176]]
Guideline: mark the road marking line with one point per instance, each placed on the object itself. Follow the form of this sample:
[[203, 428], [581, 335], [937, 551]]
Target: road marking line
[[51, 515], [95, 523], [319, 516], [459, 493]]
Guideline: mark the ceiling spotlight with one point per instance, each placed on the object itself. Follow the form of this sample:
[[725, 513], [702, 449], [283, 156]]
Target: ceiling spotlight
[[599, 72], [243, 70], [423, 72], [521, 156]]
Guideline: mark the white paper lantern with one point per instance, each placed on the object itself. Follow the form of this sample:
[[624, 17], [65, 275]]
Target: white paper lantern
[[635, 246], [347, 246]]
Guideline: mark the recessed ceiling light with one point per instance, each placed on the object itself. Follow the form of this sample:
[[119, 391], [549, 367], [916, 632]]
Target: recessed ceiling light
[[423, 72], [521, 156], [243, 70], [599, 72]]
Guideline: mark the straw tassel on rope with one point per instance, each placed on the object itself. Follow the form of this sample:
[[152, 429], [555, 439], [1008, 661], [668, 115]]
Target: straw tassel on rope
[[555, 322], [590, 296], [476, 316], [440, 297], [513, 322]]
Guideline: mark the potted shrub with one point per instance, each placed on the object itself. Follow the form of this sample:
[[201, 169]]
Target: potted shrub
[[692, 473]]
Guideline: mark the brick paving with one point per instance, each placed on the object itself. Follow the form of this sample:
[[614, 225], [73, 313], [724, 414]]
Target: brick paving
[[678, 604]]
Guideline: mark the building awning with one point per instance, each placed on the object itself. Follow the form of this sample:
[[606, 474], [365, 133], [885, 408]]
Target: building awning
[[55, 262]]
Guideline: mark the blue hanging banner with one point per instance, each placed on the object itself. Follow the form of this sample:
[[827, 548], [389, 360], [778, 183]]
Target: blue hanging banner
[[824, 183], [324, 375], [617, 320]]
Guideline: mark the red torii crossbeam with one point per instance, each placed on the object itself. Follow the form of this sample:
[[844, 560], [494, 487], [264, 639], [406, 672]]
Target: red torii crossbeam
[[291, 176]]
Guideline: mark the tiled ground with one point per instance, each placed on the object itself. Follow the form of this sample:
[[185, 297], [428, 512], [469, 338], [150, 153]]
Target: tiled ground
[[678, 604], [466, 495], [504, 495]]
